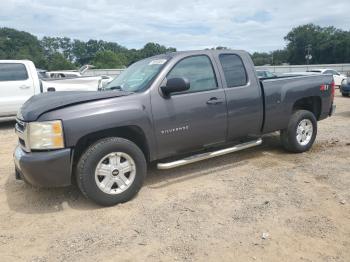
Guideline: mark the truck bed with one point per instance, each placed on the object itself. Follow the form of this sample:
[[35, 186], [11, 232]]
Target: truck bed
[[281, 93]]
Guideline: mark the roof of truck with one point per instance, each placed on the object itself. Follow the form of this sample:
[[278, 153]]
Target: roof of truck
[[203, 51]]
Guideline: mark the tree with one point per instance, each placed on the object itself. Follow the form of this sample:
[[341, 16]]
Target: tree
[[261, 58], [60, 53], [151, 49], [329, 44], [16, 44], [109, 59], [57, 61]]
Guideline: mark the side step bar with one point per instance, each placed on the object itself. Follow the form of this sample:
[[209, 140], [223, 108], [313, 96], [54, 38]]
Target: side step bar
[[203, 156]]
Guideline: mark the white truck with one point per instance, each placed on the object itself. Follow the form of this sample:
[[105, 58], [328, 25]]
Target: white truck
[[19, 81]]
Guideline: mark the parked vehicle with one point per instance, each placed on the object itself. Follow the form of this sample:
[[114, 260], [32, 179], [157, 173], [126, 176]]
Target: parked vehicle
[[19, 80], [345, 87], [338, 78], [299, 74], [265, 74], [63, 74], [84, 83], [78, 80], [173, 109]]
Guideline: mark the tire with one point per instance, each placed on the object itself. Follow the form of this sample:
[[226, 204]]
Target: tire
[[344, 94], [299, 137], [100, 175]]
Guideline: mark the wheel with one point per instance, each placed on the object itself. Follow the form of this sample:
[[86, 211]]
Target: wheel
[[300, 133], [111, 171], [344, 94]]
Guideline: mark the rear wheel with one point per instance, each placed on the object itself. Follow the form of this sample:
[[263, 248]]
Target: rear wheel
[[300, 133], [111, 171]]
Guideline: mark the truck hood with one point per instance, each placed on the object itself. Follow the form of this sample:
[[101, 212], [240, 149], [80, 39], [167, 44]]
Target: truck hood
[[42, 103]]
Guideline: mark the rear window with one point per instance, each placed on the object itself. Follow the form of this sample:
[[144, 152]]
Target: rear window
[[234, 70], [13, 72]]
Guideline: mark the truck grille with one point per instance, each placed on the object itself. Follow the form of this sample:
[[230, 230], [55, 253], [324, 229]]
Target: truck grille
[[20, 125], [22, 133]]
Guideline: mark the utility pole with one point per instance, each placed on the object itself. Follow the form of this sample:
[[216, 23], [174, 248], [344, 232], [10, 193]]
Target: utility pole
[[272, 58], [308, 55]]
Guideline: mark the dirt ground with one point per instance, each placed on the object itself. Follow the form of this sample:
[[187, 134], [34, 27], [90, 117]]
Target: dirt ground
[[217, 210]]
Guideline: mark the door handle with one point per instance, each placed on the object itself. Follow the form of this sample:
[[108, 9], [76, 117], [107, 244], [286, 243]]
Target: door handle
[[214, 101], [24, 87]]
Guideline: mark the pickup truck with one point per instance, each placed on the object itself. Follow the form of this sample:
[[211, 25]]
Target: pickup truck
[[19, 81], [172, 109]]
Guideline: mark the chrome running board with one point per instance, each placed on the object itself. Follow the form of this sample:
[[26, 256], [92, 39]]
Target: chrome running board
[[203, 156]]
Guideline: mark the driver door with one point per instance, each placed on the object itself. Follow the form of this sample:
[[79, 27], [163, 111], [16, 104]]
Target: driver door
[[193, 119]]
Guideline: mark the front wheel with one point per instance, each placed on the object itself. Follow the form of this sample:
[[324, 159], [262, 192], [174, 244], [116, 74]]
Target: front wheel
[[111, 171], [300, 133]]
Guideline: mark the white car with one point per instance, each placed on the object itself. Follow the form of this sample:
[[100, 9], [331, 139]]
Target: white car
[[338, 78]]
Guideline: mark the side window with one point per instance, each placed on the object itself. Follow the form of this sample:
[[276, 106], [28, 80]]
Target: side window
[[335, 72], [234, 70], [198, 70], [13, 72]]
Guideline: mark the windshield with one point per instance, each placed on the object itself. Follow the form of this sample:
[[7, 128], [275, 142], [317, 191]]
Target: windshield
[[138, 76], [260, 73]]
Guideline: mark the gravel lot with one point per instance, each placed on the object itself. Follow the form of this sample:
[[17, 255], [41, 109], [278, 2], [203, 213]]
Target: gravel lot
[[219, 209]]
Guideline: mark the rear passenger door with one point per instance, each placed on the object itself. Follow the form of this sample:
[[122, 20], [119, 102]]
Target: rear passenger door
[[243, 95], [15, 87]]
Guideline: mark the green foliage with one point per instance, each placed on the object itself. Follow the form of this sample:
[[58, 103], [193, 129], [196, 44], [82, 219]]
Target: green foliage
[[261, 58], [109, 59], [57, 61], [20, 45], [59, 53], [329, 44]]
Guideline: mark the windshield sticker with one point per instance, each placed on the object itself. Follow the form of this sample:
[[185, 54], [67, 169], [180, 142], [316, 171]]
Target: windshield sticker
[[157, 62]]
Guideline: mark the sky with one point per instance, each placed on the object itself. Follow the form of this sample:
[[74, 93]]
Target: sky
[[252, 25]]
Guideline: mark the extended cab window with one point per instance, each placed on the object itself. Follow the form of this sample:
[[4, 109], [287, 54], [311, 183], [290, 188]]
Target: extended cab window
[[234, 70], [13, 72], [198, 70]]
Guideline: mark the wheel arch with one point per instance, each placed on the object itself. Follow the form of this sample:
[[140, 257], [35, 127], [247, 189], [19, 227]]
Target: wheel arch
[[133, 133], [311, 103]]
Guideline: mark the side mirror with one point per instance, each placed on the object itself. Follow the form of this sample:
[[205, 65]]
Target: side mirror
[[177, 84]]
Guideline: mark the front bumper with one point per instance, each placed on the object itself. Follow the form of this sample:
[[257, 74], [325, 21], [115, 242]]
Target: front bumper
[[44, 169]]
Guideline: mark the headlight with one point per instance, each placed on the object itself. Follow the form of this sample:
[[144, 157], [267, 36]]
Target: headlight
[[46, 135]]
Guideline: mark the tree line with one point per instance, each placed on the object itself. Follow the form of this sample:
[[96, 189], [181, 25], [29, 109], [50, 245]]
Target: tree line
[[63, 53], [327, 45]]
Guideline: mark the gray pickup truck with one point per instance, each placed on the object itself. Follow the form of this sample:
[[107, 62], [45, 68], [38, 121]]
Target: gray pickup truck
[[172, 109]]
